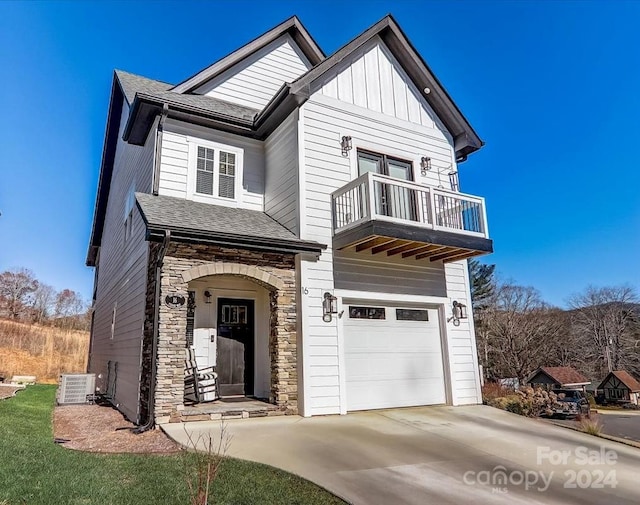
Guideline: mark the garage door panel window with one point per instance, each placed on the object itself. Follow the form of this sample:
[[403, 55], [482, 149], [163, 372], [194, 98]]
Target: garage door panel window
[[366, 312], [412, 315]]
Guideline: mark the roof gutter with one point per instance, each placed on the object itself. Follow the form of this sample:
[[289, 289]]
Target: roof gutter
[[158, 148], [155, 106], [150, 422]]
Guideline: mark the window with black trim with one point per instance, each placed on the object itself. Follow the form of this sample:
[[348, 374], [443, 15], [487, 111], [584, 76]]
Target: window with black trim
[[412, 314], [356, 312]]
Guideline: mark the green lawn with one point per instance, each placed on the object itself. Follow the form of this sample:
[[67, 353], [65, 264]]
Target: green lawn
[[34, 470]]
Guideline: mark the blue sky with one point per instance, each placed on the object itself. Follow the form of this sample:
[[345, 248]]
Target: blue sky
[[552, 88]]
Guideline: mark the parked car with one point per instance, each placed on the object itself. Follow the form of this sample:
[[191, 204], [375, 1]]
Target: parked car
[[571, 402]]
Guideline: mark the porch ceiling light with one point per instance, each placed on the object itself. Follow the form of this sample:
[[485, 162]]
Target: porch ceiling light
[[346, 145], [425, 164], [329, 306], [207, 296], [459, 312]]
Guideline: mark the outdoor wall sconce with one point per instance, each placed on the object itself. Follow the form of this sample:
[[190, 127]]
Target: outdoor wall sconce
[[207, 296], [329, 306], [459, 312], [346, 145], [425, 164]]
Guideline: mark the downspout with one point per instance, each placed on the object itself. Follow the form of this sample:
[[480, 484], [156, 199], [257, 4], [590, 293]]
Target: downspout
[[154, 343], [158, 153]]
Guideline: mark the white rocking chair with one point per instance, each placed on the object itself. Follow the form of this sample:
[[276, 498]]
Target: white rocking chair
[[198, 381]]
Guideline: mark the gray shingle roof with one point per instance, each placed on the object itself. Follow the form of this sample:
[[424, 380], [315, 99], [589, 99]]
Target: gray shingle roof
[[135, 84], [207, 220], [132, 84], [207, 104]]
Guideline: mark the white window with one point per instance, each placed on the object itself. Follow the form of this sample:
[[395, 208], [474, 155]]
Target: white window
[[215, 172], [113, 319], [128, 213]]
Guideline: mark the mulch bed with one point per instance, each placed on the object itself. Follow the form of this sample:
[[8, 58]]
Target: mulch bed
[[100, 428]]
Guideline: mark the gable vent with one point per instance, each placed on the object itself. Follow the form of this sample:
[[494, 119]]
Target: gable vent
[[76, 388]]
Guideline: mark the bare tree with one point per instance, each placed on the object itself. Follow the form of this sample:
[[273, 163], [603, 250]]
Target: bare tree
[[16, 289], [69, 305], [43, 303], [517, 332], [605, 322]]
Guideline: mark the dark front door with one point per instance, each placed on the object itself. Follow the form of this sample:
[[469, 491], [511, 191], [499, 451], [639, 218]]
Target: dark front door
[[235, 347]]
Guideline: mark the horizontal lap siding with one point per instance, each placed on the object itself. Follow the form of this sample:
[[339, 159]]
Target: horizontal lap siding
[[388, 274], [255, 80], [281, 168], [462, 343], [122, 279], [174, 164]]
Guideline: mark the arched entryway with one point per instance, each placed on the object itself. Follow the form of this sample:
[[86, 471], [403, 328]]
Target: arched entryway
[[267, 289], [228, 326]]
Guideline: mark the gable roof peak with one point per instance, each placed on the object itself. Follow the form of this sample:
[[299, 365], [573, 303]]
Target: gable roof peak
[[466, 140], [293, 26], [564, 375]]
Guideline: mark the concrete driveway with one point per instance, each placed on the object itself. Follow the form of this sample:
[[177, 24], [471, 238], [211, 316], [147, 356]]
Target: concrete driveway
[[437, 455]]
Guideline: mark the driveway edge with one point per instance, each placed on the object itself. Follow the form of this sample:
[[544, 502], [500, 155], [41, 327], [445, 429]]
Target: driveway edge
[[630, 443]]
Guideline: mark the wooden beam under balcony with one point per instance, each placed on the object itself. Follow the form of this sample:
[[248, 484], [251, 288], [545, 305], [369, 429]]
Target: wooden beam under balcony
[[410, 242]]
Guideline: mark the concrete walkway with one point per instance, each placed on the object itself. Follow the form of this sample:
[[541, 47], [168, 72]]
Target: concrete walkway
[[437, 455]]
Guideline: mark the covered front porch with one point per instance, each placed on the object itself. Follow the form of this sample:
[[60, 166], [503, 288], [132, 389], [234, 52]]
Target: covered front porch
[[238, 317]]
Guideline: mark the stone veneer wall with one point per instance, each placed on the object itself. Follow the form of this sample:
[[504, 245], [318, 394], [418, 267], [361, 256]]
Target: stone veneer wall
[[169, 395]]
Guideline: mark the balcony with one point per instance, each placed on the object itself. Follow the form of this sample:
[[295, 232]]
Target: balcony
[[388, 216]]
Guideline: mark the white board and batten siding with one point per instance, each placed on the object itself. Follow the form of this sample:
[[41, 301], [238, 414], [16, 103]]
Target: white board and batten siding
[[174, 163], [370, 99], [122, 276], [373, 79], [255, 80], [281, 169]]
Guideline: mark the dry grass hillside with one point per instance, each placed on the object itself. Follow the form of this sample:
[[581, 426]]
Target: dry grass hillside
[[43, 351]]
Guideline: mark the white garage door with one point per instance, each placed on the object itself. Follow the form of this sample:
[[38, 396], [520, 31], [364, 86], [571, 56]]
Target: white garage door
[[393, 356]]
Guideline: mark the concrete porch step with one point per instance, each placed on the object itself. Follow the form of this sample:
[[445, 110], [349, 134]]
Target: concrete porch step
[[218, 410]]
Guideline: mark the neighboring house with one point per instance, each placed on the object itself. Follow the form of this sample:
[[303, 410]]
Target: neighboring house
[[560, 377], [620, 387], [294, 217]]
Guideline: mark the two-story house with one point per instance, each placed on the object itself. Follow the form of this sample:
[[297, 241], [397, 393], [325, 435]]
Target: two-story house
[[296, 219]]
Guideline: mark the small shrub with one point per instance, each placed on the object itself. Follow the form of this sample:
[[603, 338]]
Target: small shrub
[[590, 425], [201, 466], [526, 401], [516, 407], [493, 390]]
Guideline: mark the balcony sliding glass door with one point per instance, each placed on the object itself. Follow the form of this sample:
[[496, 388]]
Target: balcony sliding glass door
[[391, 200]]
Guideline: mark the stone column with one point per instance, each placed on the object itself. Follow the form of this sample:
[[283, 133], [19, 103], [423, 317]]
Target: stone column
[[172, 342], [282, 345]]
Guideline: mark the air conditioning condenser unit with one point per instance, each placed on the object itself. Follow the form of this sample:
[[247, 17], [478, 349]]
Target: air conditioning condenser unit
[[76, 388]]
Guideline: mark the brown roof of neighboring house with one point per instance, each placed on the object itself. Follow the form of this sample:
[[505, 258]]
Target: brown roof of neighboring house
[[563, 374], [626, 378]]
